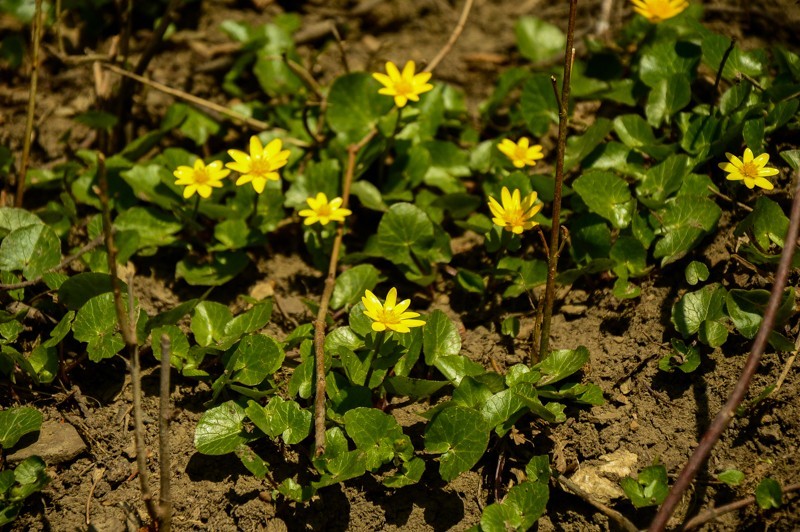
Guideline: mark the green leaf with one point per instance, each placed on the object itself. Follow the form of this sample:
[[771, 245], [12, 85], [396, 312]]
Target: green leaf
[[667, 97], [538, 40], [499, 408], [410, 473], [767, 224], [694, 308], [403, 230], [561, 363], [650, 489], [667, 58], [378, 434], [256, 357], [525, 275], [769, 494], [354, 106], [580, 146], [524, 504], [30, 477], [416, 388], [664, 179], [629, 256], [12, 219], [792, 157], [280, 417], [34, 249], [454, 434], [538, 104], [78, 289], [96, 119], [290, 489], [753, 133], [220, 430], [254, 463], [439, 337], [17, 422], [252, 320], [456, 367], [607, 195], [696, 272], [351, 285], [223, 267], [154, 227], [319, 176], [746, 309], [470, 281], [685, 220], [209, 320], [510, 326], [634, 131], [731, 477], [369, 195], [714, 47], [96, 323]]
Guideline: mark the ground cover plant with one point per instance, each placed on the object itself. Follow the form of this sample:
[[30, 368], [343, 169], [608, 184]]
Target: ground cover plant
[[317, 282]]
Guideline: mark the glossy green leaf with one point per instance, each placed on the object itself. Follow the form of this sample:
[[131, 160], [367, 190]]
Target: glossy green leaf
[[280, 418], [561, 363], [254, 463], [714, 47], [607, 195], [685, 221], [255, 358], [17, 422], [538, 40], [154, 227], [696, 272], [524, 504], [378, 434], [538, 104], [411, 387], [580, 146], [223, 267], [667, 97], [439, 337], [667, 58], [403, 230], [694, 308], [32, 249], [78, 289], [354, 105], [456, 367], [209, 320], [731, 477], [766, 224], [649, 489], [410, 473], [12, 219], [634, 131], [220, 430], [746, 309], [454, 434], [664, 179], [352, 283], [96, 323], [769, 494]]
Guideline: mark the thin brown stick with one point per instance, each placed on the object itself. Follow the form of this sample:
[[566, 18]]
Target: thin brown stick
[[97, 474], [63, 264], [340, 43], [26, 143], [555, 232], [713, 513], [612, 514], [165, 497], [330, 281], [305, 76], [127, 326], [723, 418], [252, 122], [788, 366], [739, 204], [462, 21]]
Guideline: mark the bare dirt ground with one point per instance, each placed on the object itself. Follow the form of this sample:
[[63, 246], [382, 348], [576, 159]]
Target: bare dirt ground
[[654, 415]]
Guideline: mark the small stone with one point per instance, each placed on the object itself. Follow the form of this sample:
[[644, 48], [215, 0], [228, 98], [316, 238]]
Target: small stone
[[57, 443], [573, 310]]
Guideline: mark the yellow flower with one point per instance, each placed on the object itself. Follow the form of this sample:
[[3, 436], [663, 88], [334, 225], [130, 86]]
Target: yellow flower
[[405, 86], [657, 10], [260, 165], [391, 314], [515, 215], [750, 169], [201, 178], [521, 153], [323, 211]]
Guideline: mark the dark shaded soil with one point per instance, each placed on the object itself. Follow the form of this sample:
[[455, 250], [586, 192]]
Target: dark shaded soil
[[654, 415]]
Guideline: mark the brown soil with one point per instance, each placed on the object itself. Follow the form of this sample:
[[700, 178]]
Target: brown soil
[[656, 416]]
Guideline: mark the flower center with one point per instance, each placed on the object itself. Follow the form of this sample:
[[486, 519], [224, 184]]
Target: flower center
[[750, 170], [200, 177], [404, 87], [324, 211], [520, 153], [387, 316], [260, 166], [660, 8]]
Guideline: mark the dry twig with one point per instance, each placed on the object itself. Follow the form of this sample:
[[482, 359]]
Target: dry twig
[[462, 21], [26, 143]]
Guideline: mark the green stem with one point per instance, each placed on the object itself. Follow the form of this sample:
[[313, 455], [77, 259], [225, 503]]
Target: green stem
[[254, 215], [373, 354]]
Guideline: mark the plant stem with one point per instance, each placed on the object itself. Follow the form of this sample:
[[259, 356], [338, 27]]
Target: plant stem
[[719, 75], [555, 233], [725, 415], [330, 281], [127, 327], [26, 144], [712, 513], [165, 498], [462, 21]]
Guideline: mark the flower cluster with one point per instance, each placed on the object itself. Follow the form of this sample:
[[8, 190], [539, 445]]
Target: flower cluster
[[257, 167]]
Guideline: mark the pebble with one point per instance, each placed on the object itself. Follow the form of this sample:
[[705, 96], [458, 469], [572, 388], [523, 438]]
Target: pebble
[[57, 443]]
